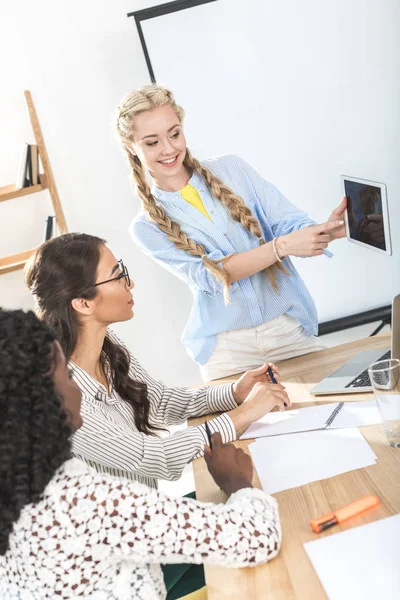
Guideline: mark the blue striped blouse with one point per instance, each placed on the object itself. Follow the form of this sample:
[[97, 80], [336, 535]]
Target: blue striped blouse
[[253, 299]]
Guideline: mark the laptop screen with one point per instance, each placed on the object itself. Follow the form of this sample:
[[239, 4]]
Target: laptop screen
[[364, 209]]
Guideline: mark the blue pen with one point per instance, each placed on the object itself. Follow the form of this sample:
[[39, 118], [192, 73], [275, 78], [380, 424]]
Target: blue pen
[[271, 374]]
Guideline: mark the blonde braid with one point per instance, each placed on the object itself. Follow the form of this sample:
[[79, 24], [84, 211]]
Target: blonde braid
[[171, 228], [149, 98], [237, 209]]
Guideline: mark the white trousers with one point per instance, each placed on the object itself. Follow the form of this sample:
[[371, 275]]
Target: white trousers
[[243, 349]]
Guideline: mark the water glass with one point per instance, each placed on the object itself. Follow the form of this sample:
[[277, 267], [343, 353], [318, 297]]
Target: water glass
[[385, 380]]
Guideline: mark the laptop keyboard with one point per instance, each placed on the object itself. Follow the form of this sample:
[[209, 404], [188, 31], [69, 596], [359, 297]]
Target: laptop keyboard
[[362, 380]]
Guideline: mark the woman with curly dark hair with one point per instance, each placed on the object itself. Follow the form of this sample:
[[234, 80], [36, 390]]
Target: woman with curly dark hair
[[34, 434], [67, 531], [81, 289]]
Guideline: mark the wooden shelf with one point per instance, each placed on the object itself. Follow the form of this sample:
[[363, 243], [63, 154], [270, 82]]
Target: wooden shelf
[[15, 261], [9, 192]]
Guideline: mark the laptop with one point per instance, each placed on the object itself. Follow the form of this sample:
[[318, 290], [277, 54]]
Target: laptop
[[353, 376]]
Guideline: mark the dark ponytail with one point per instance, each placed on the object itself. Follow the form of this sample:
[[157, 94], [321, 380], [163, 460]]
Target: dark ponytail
[[65, 268]]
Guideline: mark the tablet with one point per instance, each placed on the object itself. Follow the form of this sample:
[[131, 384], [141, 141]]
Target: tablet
[[367, 217]]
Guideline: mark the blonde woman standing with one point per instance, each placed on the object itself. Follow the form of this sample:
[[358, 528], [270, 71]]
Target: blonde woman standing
[[228, 233]]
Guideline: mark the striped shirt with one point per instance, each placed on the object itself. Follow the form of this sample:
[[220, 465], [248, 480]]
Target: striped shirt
[[110, 442], [254, 301]]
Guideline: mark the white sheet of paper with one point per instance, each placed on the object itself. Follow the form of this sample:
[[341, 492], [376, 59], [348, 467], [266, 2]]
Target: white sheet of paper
[[363, 562], [288, 461], [353, 414]]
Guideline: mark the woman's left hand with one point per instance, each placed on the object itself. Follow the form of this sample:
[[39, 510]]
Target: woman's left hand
[[243, 386], [338, 215]]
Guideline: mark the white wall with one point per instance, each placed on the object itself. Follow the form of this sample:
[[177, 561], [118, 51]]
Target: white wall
[[78, 59], [304, 91], [314, 68]]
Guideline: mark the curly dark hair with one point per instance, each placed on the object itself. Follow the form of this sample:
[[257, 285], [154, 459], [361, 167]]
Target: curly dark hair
[[65, 268], [34, 430]]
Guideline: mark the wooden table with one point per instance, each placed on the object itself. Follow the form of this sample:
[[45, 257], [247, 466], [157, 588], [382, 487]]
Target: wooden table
[[291, 575]]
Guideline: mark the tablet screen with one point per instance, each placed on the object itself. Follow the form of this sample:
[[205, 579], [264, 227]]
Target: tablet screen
[[364, 211]]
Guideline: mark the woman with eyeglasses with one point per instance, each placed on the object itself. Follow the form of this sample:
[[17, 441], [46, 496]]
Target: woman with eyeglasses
[[81, 289]]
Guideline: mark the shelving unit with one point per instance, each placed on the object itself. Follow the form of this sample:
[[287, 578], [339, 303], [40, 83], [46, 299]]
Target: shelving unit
[[9, 192], [14, 262]]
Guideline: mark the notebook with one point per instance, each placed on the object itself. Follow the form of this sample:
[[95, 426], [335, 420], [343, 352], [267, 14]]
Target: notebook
[[363, 562], [324, 416]]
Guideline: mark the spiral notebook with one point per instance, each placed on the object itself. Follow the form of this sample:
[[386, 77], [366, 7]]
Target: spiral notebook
[[336, 415]]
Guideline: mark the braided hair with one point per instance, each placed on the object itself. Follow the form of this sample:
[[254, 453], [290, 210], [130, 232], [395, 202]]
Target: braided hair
[[149, 98]]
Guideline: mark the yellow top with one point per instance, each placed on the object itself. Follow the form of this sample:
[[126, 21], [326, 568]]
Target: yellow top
[[191, 195]]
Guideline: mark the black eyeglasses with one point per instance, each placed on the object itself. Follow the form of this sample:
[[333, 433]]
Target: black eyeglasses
[[124, 274]]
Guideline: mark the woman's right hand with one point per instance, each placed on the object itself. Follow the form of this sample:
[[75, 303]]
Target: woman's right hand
[[230, 467], [308, 241], [263, 398], [260, 401]]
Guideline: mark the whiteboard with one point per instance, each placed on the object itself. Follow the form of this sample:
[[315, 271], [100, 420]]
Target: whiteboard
[[303, 92]]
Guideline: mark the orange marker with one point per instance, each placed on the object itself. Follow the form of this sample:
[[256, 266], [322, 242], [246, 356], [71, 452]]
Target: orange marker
[[351, 510]]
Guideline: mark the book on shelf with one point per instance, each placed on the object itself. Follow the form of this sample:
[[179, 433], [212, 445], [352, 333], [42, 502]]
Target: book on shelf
[[28, 169], [28, 174], [21, 181], [34, 164], [49, 229]]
